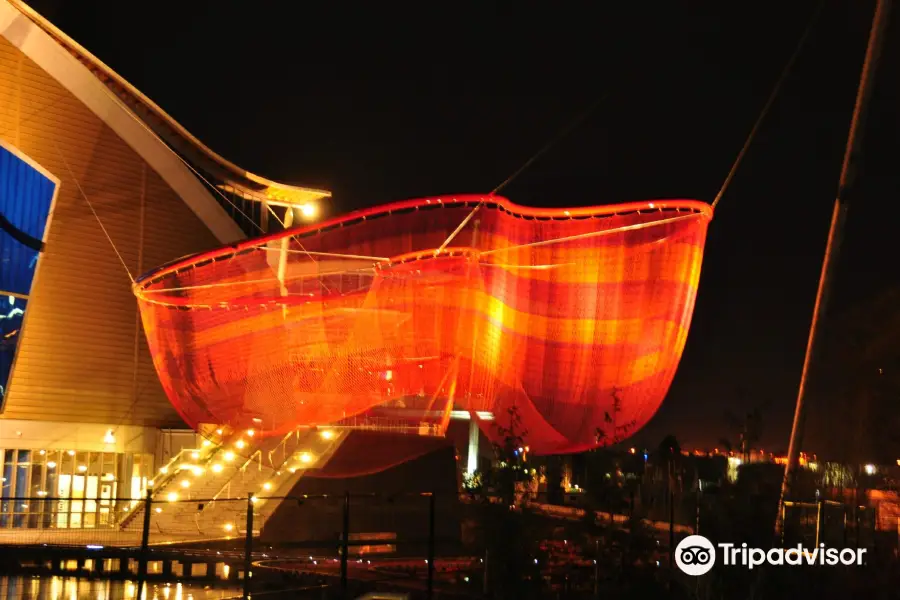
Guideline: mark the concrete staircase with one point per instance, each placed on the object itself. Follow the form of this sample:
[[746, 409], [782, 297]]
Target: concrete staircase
[[206, 496]]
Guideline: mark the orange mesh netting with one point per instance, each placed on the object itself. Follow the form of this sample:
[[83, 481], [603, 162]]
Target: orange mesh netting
[[576, 317]]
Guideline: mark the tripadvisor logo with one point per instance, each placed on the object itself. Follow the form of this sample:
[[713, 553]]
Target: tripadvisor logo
[[696, 555]]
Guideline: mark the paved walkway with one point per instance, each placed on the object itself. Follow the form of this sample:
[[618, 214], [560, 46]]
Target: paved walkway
[[93, 537]]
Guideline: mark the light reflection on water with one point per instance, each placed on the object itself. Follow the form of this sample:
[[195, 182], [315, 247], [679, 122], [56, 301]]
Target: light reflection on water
[[71, 588]]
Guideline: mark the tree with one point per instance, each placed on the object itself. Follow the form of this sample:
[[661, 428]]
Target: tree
[[510, 532], [747, 431], [619, 431], [603, 485], [668, 450], [511, 457], [668, 460]]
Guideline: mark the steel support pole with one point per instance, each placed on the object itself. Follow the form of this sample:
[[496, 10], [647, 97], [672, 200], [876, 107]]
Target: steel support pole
[[248, 547], [345, 543], [431, 527], [832, 248], [671, 529], [145, 545]]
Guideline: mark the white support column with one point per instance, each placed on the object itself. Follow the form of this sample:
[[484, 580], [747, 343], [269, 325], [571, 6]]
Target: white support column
[[264, 216], [282, 257], [474, 434]]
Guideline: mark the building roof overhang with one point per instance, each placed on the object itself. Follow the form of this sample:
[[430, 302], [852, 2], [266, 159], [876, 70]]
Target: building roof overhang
[[244, 183]]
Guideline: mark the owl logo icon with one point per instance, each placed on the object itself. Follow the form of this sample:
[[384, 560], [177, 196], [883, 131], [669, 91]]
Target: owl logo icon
[[695, 555]]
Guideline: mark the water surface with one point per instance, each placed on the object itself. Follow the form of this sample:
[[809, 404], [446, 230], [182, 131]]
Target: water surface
[[72, 588]]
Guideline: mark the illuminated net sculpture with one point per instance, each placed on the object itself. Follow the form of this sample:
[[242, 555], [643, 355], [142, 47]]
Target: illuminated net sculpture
[[577, 318]]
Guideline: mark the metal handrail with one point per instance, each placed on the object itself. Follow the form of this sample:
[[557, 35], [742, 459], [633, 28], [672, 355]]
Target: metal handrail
[[158, 485], [283, 445], [246, 463], [170, 472], [227, 484], [271, 466], [391, 425]]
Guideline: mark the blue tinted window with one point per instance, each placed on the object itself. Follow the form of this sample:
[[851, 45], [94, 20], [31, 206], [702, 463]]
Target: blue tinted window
[[26, 196]]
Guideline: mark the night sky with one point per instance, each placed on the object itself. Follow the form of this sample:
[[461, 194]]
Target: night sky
[[401, 100]]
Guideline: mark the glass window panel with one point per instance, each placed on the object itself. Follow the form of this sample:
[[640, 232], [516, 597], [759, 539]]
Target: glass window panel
[[64, 491], [51, 486], [90, 504], [106, 516], [13, 311], [21, 507], [81, 463], [7, 479], [53, 458], [120, 471], [36, 491], [107, 485], [77, 505], [7, 488], [135, 488], [67, 464], [23, 470], [138, 478], [37, 479], [95, 464], [48, 510]]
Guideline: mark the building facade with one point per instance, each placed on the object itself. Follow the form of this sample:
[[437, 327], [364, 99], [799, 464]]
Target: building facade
[[97, 184]]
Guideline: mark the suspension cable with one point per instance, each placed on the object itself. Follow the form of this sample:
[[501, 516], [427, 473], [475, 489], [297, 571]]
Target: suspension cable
[[553, 141], [769, 102], [592, 234], [91, 206]]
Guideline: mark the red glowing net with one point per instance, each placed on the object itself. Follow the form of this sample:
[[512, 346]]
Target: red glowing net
[[576, 317]]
